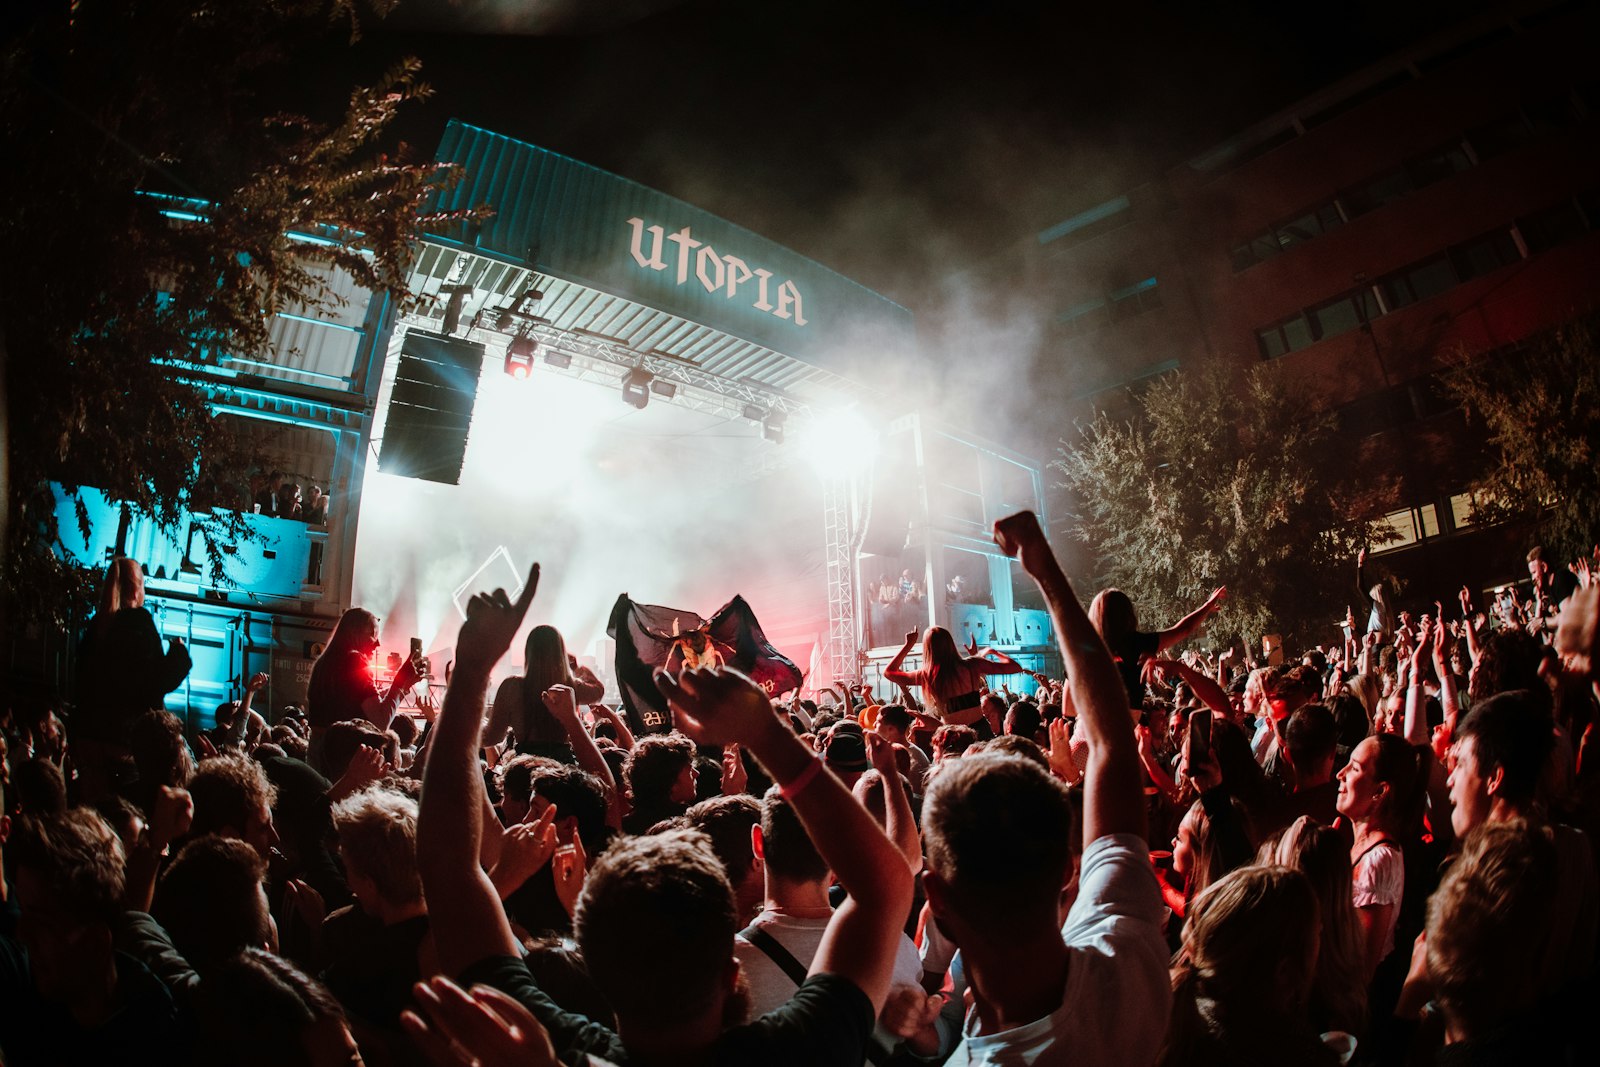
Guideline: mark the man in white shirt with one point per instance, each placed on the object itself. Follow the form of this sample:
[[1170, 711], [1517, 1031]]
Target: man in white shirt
[[1092, 990], [783, 940]]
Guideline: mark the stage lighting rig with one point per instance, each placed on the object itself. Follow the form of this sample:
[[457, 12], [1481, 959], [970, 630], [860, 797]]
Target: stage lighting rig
[[636, 387], [519, 357]]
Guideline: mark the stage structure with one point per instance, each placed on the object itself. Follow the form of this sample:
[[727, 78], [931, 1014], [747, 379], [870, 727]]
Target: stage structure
[[724, 353]]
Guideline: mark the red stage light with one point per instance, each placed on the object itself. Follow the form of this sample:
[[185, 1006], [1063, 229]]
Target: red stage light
[[519, 357]]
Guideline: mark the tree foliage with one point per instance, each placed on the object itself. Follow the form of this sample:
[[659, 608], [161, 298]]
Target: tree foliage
[[112, 308], [1539, 409], [1222, 477]]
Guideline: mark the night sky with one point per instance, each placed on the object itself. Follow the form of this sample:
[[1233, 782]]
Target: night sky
[[897, 141]]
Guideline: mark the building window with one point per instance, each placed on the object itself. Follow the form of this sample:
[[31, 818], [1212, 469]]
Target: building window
[[1546, 229], [1135, 299], [1405, 527], [1083, 318], [1372, 195], [1396, 530], [1537, 117], [1290, 335], [1484, 255], [1342, 314], [1313, 223], [1436, 166], [1549, 114], [1418, 282]]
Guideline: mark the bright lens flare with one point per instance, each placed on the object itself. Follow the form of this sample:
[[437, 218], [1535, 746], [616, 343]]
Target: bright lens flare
[[839, 443]]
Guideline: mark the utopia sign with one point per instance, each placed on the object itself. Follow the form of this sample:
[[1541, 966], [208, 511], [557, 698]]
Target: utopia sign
[[719, 272]]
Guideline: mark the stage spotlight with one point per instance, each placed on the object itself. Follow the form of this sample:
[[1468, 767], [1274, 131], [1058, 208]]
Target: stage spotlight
[[519, 357], [772, 427], [665, 390], [558, 359], [636, 387], [754, 412]]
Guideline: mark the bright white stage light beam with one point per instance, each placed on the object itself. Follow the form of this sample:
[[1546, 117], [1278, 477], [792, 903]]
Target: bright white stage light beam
[[839, 443]]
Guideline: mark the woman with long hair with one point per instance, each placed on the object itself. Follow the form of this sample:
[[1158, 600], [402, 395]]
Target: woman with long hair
[[123, 672], [950, 681], [1242, 980], [519, 702], [1114, 616], [1339, 989], [1378, 793], [342, 687]]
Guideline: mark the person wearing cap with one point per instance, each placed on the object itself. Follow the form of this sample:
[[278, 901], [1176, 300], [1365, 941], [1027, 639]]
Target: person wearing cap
[[846, 752]]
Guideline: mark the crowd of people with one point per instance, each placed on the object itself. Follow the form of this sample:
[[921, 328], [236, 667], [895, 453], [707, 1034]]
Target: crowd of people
[[1379, 853]]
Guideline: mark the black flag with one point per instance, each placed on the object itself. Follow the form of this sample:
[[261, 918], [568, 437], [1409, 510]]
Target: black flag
[[649, 636]]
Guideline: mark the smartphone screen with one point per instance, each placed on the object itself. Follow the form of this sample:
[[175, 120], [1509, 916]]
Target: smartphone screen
[[1199, 735]]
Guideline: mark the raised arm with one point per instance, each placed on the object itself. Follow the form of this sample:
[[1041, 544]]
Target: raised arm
[[1205, 687], [380, 712], [893, 672], [590, 690], [562, 702], [507, 699], [1449, 700], [721, 706], [899, 823], [1190, 624], [1113, 793], [1000, 664], [241, 721], [1416, 726], [450, 819], [1471, 631], [624, 735]]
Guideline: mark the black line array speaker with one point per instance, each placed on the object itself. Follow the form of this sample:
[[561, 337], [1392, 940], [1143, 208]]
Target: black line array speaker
[[430, 410]]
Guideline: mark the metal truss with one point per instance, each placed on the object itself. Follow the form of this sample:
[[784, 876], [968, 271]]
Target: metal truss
[[840, 651]]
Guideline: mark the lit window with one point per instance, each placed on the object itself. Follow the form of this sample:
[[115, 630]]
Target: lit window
[[1396, 530]]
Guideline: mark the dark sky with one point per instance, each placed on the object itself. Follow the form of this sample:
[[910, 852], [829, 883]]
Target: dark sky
[[896, 140]]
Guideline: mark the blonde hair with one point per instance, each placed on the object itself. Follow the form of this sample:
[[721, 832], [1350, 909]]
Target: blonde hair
[[1489, 925], [378, 837], [1251, 936], [123, 586], [1338, 990]]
